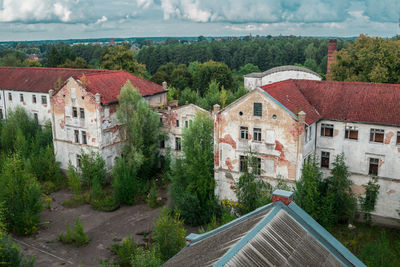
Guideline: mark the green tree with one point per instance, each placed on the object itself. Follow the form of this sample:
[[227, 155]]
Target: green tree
[[54, 58], [251, 191], [20, 192], [192, 186], [169, 233], [141, 130], [120, 58], [368, 59], [339, 191], [78, 63], [368, 202]]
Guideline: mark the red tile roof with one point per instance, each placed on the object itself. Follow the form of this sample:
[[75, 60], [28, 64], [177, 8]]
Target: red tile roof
[[109, 84], [37, 79], [344, 101]]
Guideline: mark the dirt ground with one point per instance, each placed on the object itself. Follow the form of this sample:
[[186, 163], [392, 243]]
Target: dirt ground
[[102, 228]]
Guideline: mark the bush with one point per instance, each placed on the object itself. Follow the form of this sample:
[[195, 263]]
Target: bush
[[146, 258], [152, 198], [368, 202], [169, 233], [92, 168], [106, 203], [251, 192], [10, 254], [21, 194], [126, 184], [77, 236], [379, 253], [74, 182], [124, 251]]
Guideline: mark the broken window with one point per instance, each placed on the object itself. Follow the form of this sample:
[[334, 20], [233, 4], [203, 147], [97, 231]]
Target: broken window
[[44, 100], [84, 140], [243, 164], [76, 136], [162, 144], [82, 113], [351, 132], [325, 159], [244, 132], [373, 166], [326, 129], [257, 134], [376, 135], [78, 160], [186, 124], [1, 114], [177, 123], [21, 97], [177, 143], [257, 109], [35, 115], [258, 166], [74, 112], [34, 99], [398, 138], [9, 96]]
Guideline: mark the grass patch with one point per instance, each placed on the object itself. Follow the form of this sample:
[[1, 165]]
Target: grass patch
[[76, 237], [373, 245], [73, 203]]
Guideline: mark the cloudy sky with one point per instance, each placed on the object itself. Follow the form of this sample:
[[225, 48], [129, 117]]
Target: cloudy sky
[[66, 19]]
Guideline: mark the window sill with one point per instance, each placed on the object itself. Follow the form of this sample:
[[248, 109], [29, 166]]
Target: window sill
[[352, 140], [376, 143], [326, 136]]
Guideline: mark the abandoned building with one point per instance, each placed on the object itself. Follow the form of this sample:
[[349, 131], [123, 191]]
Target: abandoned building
[[278, 234], [29, 88], [175, 120], [84, 114], [286, 122]]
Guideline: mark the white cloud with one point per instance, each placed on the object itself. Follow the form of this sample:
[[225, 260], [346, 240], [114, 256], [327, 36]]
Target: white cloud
[[144, 3], [101, 20], [33, 11]]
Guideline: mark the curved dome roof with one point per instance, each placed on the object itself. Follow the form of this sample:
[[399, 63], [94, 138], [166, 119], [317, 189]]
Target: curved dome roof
[[281, 69]]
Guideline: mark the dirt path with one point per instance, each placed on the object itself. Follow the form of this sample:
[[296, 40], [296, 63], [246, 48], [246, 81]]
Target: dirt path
[[102, 228]]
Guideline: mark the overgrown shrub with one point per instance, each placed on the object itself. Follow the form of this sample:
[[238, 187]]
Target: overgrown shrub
[[169, 233], [192, 178], [251, 192], [152, 198], [74, 182], [93, 167], [146, 257], [379, 253], [77, 236], [10, 254], [21, 194], [123, 251], [127, 186], [368, 202]]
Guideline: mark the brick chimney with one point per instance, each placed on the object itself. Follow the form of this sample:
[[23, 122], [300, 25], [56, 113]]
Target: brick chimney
[[282, 195], [331, 56]]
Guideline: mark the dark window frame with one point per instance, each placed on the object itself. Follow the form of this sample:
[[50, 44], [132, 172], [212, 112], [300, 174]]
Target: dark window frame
[[327, 129], [178, 144], [1, 114], [373, 166], [177, 123], [244, 133], [351, 133], [34, 99], [377, 135], [84, 137], [325, 159], [81, 113], [76, 136], [257, 134], [44, 100], [242, 163], [74, 112], [257, 109], [21, 97], [398, 138], [9, 96]]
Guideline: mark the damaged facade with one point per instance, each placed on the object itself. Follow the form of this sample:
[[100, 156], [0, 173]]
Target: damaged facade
[[175, 120], [84, 114], [285, 122]]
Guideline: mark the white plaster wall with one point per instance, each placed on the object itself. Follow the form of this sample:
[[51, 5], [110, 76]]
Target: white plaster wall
[[285, 75], [357, 153], [309, 144], [252, 82], [278, 156], [43, 110]]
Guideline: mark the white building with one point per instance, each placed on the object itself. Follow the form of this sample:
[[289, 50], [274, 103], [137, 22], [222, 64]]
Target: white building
[[29, 88], [84, 114], [287, 121], [277, 74]]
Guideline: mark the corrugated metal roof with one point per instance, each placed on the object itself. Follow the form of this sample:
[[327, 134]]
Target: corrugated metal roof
[[274, 235]]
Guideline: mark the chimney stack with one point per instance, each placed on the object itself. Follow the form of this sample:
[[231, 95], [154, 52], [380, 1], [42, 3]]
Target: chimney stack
[[165, 85], [282, 195], [331, 56]]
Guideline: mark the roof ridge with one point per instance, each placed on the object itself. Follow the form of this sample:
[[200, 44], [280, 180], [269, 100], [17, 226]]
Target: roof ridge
[[305, 97], [53, 69], [349, 82]]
